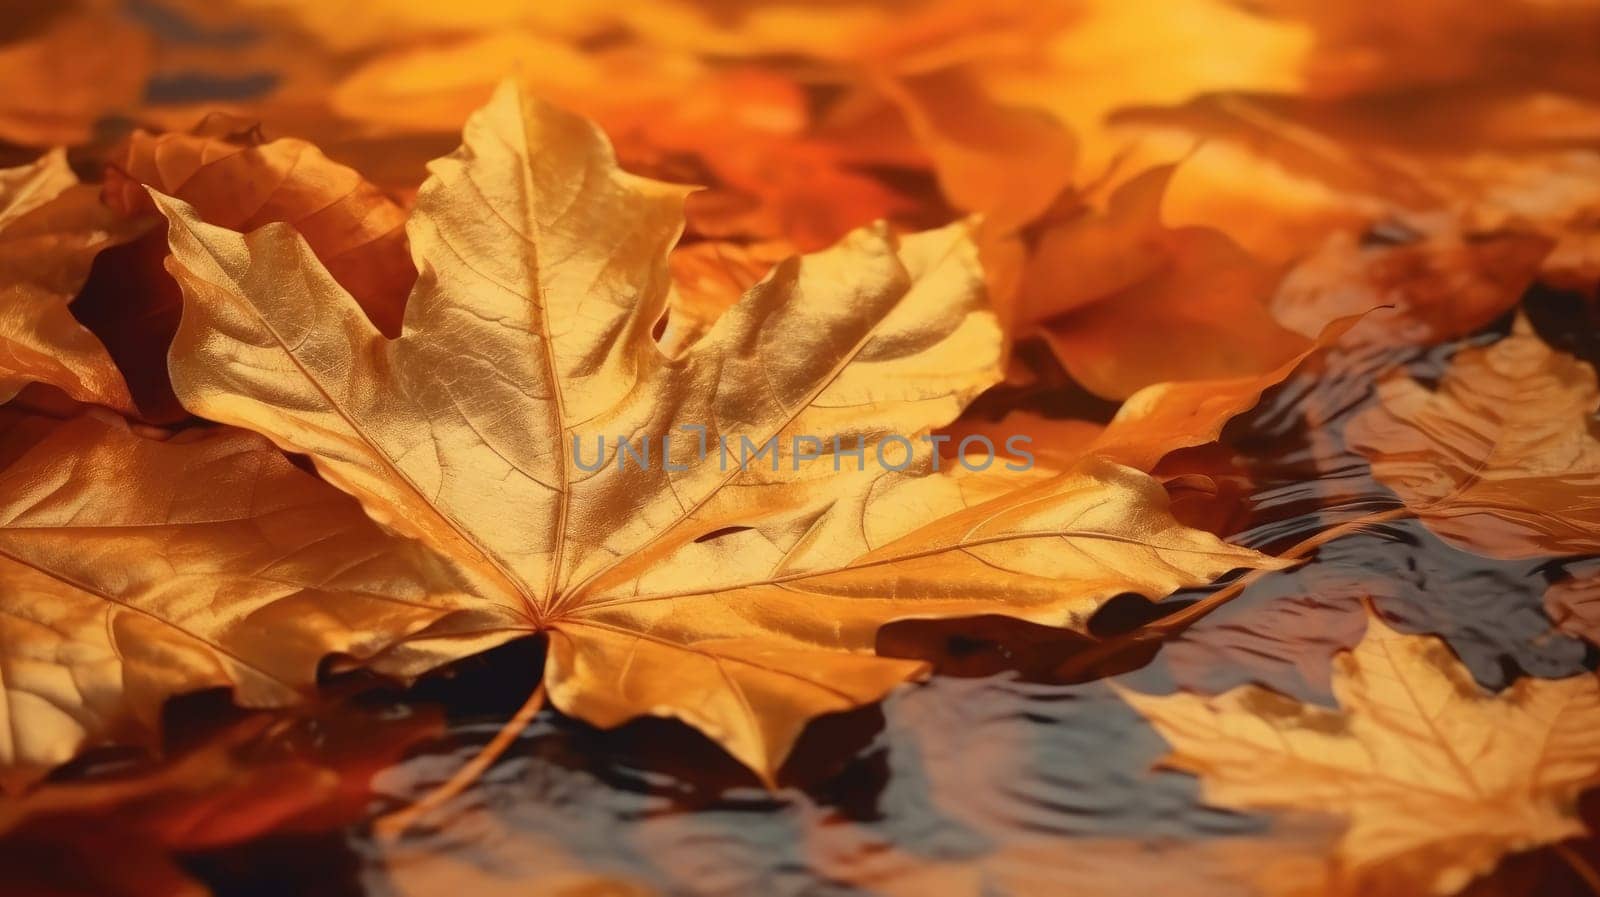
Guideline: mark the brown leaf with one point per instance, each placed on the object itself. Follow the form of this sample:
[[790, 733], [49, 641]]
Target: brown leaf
[[1153, 422], [123, 832], [86, 62], [1125, 301], [355, 231], [1442, 283], [1574, 605]]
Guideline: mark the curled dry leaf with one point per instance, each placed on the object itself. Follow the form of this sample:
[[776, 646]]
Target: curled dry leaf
[[51, 228], [1435, 776], [1501, 458], [741, 599], [234, 181], [133, 569]]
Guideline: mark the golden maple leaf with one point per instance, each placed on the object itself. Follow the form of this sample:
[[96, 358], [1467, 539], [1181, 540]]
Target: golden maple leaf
[[51, 228], [133, 569], [1501, 458], [743, 600], [1437, 778]]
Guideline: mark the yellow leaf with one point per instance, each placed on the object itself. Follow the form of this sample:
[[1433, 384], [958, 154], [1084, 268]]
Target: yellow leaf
[[743, 599], [133, 569], [1437, 778], [51, 228], [1500, 457]]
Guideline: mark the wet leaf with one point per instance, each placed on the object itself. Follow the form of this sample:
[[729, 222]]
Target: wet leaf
[[125, 831], [1500, 457], [1432, 773]]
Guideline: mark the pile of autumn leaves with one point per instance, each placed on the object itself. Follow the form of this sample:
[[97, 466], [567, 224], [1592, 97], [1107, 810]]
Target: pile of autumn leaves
[[267, 415]]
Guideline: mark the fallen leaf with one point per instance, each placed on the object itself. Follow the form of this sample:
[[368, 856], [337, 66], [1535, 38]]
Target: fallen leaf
[[1500, 458], [1006, 163], [1496, 158], [86, 62], [1115, 54], [234, 180], [1574, 605], [124, 832], [136, 569], [1441, 283], [1125, 301], [1153, 422], [742, 601], [747, 134], [51, 228], [1371, 47], [1435, 776], [237, 182]]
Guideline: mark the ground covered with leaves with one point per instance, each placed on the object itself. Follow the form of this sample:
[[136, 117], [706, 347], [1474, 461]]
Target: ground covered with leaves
[[1180, 463]]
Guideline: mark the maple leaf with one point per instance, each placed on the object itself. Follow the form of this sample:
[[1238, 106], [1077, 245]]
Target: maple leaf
[[1499, 458], [133, 569], [1436, 778], [742, 600], [51, 228]]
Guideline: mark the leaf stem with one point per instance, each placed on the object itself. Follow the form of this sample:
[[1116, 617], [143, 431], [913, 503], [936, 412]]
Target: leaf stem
[[393, 825], [1169, 625]]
